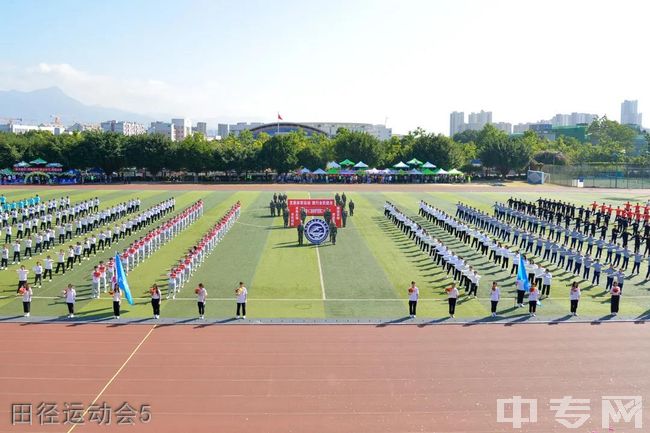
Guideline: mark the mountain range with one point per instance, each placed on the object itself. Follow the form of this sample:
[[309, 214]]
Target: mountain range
[[41, 106]]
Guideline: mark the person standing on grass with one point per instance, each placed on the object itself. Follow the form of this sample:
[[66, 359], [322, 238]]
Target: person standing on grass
[[22, 276], [117, 300], [5, 257], [495, 295], [452, 297], [414, 294], [533, 296], [38, 275], [574, 298], [26, 293], [242, 296], [547, 278], [70, 295], [201, 295], [155, 300], [616, 298]]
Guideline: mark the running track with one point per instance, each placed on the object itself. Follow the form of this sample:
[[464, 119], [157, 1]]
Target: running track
[[319, 378]]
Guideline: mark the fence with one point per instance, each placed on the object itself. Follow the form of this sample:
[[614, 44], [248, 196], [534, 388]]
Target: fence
[[600, 176]]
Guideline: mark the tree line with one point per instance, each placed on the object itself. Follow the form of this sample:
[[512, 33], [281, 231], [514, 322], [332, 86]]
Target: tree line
[[610, 142]]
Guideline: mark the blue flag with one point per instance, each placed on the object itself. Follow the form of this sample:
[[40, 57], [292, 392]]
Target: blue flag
[[121, 279], [522, 275]]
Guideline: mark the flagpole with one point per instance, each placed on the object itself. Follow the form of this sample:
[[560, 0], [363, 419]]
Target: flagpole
[[278, 120]]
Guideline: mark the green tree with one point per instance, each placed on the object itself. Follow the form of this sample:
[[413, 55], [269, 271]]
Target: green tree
[[467, 136], [195, 154], [357, 146], [280, 152], [151, 152], [8, 153], [438, 149], [505, 154]]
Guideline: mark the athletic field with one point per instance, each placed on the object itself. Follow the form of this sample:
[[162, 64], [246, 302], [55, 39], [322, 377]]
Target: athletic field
[[365, 275]]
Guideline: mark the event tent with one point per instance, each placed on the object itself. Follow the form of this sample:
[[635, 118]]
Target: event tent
[[428, 165], [400, 165], [414, 161], [360, 164]]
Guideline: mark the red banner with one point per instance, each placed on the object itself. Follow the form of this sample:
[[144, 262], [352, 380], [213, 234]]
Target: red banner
[[313, 207]]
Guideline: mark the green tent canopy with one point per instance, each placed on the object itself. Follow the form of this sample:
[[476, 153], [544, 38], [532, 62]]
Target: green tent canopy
[[333, 171], [6, 172], [400, 165], [455, 172], [439, 171], [346, 162], [414, 161], [38, 161], [427, 172]]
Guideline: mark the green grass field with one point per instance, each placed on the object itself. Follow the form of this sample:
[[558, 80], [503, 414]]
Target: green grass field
[[365, 275]]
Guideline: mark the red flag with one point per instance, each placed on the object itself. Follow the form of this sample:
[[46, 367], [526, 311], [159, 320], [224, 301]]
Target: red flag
[[279, 117]]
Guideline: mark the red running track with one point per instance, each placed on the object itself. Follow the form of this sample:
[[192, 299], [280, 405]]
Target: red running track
[[316, 379]]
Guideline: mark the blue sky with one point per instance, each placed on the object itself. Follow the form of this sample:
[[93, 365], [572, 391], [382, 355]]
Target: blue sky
[[410, 62]]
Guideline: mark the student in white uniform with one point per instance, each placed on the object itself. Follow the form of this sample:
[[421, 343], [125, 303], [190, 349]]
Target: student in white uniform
[[155, 301], [414, 295], [533, 296], [22, 276], [201, 295], [547, 277], [26, 292], [48, 262], [38, 275], [495, 296], [70, 295], [242, 296], [574, 298], [452, 297], [117, 300]]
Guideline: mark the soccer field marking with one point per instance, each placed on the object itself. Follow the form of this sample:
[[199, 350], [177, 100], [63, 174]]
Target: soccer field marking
[[320, 274], [320, 271], [114, 376]]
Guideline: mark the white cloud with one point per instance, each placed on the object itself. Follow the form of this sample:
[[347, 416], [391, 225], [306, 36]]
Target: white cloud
[[146, 96]]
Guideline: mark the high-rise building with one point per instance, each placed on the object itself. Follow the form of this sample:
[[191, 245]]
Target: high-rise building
[[503, 126], [202, 128], [223, 130], [520, 128], [182, 129], [163, 128], [476, 121], [580, 118], [630, 113], [456, 122], [122, 127], [378, 131]]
